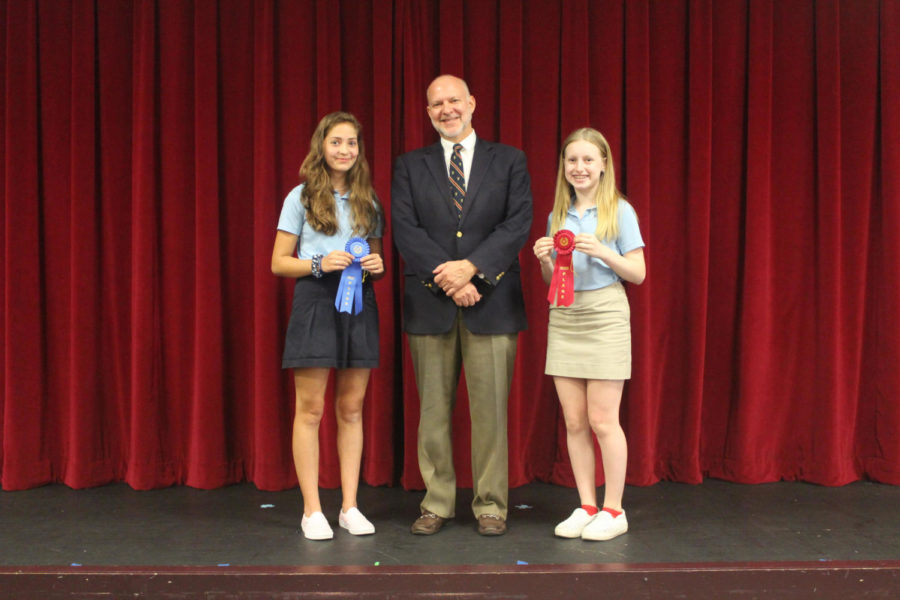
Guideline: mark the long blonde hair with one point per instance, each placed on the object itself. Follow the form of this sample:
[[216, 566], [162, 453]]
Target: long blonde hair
[[607, 196], [318, 194]]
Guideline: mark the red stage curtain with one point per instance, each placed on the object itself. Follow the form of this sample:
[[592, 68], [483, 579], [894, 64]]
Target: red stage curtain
[[147, 147]]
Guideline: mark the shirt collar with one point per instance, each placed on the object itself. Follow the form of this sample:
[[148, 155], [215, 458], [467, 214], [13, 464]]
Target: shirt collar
[[575, 212], [468, 143]]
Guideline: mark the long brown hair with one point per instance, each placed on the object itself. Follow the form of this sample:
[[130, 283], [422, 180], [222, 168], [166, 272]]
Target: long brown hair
[[607, 195], [318, 194]]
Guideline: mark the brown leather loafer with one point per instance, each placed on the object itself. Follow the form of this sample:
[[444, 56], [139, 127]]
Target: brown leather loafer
[[491, 525], [427, 524]]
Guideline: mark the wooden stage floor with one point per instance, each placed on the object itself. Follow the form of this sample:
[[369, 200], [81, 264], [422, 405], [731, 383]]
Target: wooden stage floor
[[714, 540]]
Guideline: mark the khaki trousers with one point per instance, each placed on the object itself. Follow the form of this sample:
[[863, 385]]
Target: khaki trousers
[[488, 361]]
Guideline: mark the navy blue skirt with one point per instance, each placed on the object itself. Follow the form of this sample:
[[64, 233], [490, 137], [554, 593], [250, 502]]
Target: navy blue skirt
[[320, 336]]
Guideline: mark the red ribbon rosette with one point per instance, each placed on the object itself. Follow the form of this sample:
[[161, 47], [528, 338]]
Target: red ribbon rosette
[[562, 284]]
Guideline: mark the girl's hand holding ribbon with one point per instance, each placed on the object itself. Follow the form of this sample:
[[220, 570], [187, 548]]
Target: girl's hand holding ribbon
[[543, 248], [372, 263], [336, 260], [590, 245]]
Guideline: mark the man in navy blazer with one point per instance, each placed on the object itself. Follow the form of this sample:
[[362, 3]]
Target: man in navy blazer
[[462, 297]]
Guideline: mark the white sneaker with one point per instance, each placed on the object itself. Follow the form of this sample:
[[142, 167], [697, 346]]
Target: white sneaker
[[575, 524], [316, 527], [354, 522], [605, 527]]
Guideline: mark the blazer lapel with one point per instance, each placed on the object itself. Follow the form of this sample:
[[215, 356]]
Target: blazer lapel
[[434, 159], [481, 160]]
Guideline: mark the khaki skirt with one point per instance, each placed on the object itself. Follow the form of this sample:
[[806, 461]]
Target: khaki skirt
[[591, 339]]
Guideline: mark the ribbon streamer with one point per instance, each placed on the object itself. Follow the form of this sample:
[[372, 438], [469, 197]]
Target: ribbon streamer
[[349, 297], [562, 284]]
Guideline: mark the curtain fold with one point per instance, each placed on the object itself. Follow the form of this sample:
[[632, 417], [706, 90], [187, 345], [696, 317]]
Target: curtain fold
[[643, 400], [881, 436], [148, 146], [146, 465], [208, 455], [27, 455], [270, 420]]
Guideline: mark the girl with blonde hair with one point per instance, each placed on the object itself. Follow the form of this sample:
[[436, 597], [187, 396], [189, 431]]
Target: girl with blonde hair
[[592, 237]]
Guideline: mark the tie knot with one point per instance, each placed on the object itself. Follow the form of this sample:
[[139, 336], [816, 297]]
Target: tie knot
[[457, 148]]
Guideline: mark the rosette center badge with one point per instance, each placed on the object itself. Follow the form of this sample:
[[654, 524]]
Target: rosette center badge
[[358, 247]]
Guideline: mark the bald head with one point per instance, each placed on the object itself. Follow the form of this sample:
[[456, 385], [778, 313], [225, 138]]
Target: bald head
[[442, 82]]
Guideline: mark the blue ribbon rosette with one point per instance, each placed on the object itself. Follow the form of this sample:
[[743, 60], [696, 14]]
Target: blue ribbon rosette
[[349, 297]]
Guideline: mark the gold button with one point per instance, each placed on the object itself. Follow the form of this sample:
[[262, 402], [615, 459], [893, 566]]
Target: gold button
[[459, 234]]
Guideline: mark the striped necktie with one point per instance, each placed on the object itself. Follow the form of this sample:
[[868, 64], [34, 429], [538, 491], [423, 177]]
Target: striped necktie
[[457, 179]]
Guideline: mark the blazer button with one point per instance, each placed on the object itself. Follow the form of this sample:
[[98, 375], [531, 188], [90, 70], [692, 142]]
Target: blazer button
[[459, 234]]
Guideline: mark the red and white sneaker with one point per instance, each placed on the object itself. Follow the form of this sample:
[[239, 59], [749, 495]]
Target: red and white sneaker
[[605, 527], [575, 524]]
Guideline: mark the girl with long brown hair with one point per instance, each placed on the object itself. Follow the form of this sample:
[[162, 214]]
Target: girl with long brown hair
[[333, 209]]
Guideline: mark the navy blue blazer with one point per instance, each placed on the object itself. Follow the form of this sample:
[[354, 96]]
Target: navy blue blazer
[[495, 223]]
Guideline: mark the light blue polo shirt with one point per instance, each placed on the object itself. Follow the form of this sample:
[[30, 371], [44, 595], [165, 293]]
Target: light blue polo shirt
[[310, 241], [592, 273]]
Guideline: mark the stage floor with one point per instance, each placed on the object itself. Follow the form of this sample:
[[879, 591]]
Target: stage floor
[[113, 529], [240, 525]]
